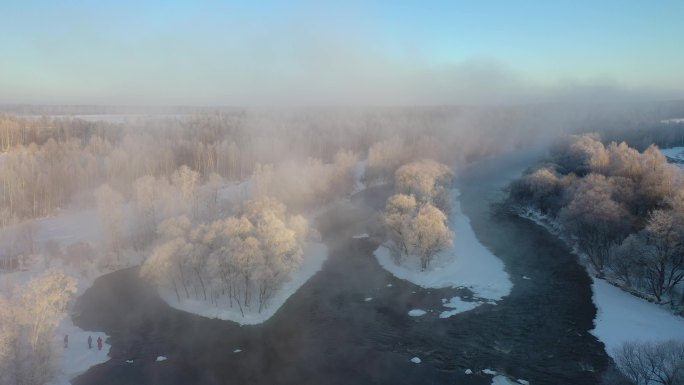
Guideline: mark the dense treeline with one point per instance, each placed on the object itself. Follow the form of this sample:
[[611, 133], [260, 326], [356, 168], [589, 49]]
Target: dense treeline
[[623, 210], [47, 162]]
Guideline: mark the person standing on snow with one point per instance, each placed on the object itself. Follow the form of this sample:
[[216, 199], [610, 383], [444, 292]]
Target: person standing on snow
[[90, 342], [99, 343]]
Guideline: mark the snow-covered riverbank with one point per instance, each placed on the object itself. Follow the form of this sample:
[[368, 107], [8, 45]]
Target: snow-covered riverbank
[[621, 317], [467, 264], [76, 358]]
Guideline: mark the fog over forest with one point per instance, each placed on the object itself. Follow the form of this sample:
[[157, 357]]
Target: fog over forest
[[380, 193]]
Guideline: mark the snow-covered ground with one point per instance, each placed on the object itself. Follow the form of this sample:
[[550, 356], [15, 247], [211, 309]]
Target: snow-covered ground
[[314, 256], [467, 264], [77, 358], [674, 154], [622, 317], [67, 227]]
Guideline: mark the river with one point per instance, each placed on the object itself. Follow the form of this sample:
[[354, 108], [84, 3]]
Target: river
[[326, 333]]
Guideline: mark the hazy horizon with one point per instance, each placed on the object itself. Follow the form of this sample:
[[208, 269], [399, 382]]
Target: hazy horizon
[[304, 53]]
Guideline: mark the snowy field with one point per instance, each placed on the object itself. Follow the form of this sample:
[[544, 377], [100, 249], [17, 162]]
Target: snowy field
[[622, 317], [315, 255], [467, 264]]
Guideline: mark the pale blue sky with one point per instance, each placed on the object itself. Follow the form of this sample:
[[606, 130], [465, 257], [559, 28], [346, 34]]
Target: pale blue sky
[[316, 52]]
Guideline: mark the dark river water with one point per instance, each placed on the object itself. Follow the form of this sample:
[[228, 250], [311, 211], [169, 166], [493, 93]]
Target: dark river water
[[327, 334]]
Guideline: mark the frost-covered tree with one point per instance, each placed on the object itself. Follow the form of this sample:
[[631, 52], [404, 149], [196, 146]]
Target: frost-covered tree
[[342, 175], [384, 157], [399, 211], [429, 234], [241, 259], [663, 266], [595, 219], [28, 322], [420, 178]]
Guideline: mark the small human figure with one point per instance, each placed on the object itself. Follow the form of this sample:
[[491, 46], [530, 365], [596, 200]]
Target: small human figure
[[90, 342], [66, 341], [99, 343]]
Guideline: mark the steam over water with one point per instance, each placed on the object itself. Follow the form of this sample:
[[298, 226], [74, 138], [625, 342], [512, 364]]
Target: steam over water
[[327, 333]]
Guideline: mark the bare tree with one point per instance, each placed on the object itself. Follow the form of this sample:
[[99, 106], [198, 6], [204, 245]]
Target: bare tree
[[652, 363], [664, 265]]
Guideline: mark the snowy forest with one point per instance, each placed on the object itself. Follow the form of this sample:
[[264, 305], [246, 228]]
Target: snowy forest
[[341, 192], [215, 207], [219, 209], [623, 209]]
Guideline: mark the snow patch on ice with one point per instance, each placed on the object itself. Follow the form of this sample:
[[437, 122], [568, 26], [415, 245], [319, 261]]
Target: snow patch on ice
[[489, 371], [467, 264], [502, 380], [622, 317], [468, 371], [523, 382], [314, 256], [458, 306], [416, 360], [417, 313]]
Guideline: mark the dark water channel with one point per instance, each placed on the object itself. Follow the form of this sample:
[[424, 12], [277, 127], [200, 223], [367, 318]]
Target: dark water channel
[[327, 334]]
